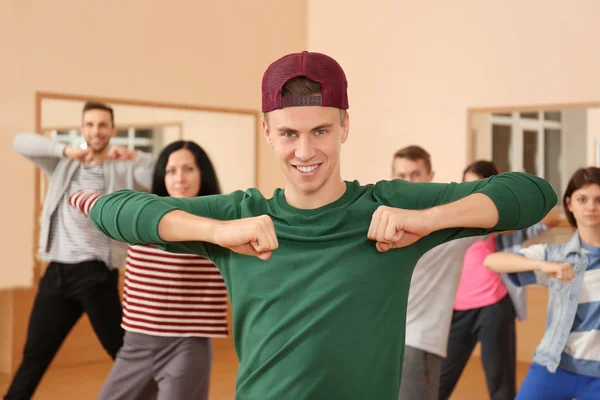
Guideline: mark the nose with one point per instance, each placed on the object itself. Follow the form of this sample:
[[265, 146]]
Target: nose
[[305, 149], [179, 176]]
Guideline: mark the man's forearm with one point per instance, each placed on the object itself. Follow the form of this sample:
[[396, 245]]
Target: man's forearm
[[179, 226], [474, 211]]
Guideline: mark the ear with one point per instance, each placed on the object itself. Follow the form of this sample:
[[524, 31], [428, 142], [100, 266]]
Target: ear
[[267, 132], [345, 127], [568, 201], [114, 132], [431, 176]]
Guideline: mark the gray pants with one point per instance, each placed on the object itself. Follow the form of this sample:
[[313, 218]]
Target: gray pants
[[149, 367], [420, 375]]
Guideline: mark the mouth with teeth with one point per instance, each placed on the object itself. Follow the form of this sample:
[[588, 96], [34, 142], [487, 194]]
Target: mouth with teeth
[[307, 169]]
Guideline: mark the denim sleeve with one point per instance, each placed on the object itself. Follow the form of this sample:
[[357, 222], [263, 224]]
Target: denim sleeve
[[523, 278], [535, 252], [513, 242]]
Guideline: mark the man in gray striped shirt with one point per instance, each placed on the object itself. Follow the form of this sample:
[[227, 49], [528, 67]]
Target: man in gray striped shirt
[[82, 274]]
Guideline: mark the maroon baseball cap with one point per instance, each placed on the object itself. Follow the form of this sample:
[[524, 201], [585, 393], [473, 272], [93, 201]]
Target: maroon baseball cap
[[315, 66]]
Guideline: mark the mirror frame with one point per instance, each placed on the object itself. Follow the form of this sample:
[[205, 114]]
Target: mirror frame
[[508, 109], [38, 264]]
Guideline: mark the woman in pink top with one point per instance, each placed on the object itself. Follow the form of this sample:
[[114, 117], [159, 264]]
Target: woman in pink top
[[483, 312], [479, 287]]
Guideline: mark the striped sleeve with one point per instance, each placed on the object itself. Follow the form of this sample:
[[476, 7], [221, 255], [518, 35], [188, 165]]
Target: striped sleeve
[[83, 200]]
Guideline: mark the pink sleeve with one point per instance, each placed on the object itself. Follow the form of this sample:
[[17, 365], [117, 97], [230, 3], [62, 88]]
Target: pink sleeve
[[83, 200], [491, 243]]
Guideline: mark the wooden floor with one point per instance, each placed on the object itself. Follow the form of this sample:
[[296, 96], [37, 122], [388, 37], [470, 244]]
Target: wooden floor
[[84, 382]]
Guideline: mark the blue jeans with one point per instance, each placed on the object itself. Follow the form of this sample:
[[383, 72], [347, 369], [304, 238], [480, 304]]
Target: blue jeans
[[540, 384]]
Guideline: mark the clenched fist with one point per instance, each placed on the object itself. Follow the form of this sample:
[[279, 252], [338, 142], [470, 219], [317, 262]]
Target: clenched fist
[[83, 155], [396, 227], [561, 271], [122, 153], [251, 236]]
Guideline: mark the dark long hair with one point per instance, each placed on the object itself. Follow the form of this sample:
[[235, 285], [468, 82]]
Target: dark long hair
[[482, 168], [582, 177], [209, 183]]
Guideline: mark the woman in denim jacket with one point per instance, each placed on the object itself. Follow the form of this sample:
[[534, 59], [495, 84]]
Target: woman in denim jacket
[[566, 364]]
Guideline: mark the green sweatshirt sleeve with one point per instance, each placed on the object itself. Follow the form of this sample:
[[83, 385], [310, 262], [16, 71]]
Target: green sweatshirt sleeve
[[522, 200], [133, 217]]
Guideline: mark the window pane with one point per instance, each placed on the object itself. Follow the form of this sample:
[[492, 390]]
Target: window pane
[[143, 133], [501, 145], [533, 115], [502, 115], [146, 149], [530, 150], [123, 133], [552, 116], [552, 158]]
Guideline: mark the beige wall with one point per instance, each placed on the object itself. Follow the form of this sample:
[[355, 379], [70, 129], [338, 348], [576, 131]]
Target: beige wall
[[481, 135], [414, 68], [574, 143], [593, 126], [209, 53]]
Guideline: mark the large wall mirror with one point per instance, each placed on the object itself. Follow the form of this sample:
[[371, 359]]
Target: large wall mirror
[[228, 136], [548, 141]]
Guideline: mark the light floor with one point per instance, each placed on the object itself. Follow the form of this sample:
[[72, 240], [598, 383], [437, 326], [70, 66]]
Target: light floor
[[84, 382]]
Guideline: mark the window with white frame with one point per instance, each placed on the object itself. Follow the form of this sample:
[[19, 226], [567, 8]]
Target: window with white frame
[[134, 138], [529, 142]]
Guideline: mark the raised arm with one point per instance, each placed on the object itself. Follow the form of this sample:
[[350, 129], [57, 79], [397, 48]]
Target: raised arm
[[529, 268], [441, 212], [518, 200], [184, 225], [40, 150], [474, 211], [45, 152], [142, 168], [175, 226]]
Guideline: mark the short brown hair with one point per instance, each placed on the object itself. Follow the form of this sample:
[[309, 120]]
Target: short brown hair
[[96, 105], [582, 177], [415, 153], [482, 168], [303, 86]]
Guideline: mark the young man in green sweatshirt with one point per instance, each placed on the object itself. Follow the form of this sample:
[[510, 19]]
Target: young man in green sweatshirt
[[319, 301]]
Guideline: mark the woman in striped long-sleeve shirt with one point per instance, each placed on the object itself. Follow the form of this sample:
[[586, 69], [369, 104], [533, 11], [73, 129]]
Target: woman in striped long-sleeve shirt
[[173, 303]]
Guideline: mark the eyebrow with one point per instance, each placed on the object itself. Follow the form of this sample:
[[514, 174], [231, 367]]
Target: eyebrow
[[316, 128]]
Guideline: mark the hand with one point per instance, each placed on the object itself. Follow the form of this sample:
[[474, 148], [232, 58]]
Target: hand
[[396, 227], [122, 153], [251, 236], [561, 271], [77, 154]]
